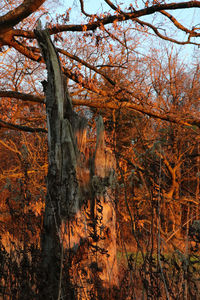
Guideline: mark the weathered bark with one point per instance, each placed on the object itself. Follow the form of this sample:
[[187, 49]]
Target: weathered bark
[[78, 194], [63, 195], [93, 234]]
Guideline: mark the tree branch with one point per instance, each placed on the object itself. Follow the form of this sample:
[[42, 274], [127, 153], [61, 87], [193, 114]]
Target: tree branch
[[11, 126], [157, 32], [102, 103], [111, 4], [16, 15], [83, 62], [127, 105], [175, 22], [83, 10], [22, 96], [25, 51], [120, 17], [84, 82]]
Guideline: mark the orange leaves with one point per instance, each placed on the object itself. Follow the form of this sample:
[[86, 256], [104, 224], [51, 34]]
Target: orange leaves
[[80, 78], [84, 28], [101, 27], [67, 14], [92, 19], [8, 109], [110, 58], [79, 66], [111, 47], [47, 18], [37, 207], [115, 24], [63, 18]]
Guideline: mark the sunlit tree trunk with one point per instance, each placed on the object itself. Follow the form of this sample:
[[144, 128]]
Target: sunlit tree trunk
[[78, 183], [62, 187]]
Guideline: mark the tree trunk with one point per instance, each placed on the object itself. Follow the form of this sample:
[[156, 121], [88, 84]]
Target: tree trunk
[[78, 209]]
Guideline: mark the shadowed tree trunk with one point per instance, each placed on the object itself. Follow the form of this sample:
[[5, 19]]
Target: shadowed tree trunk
[[78, 196]]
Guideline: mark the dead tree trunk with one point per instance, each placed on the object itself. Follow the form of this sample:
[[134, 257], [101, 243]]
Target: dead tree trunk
[[74, 178], [62, 187]]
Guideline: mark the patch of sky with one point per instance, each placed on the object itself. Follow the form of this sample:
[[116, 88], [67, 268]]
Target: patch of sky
[[188, 17]]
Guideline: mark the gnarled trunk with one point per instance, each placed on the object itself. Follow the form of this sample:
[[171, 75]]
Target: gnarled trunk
[[79, 211]]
